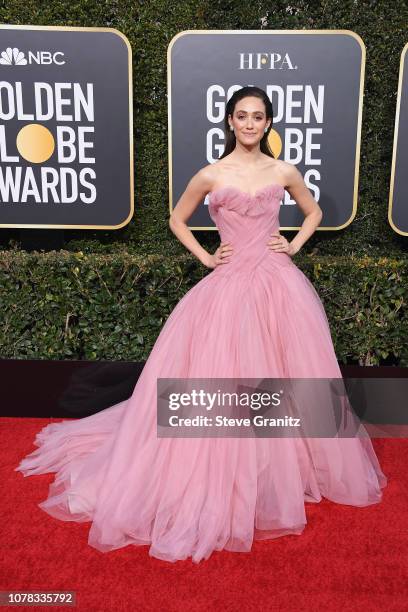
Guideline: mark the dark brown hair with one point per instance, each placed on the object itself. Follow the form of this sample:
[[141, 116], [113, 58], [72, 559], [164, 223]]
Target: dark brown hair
[[244, 92]]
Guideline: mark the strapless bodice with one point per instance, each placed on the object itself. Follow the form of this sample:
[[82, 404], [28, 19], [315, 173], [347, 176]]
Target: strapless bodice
[[246, 221]]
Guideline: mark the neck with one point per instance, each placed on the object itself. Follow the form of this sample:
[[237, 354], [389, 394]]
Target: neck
[[250, 156]]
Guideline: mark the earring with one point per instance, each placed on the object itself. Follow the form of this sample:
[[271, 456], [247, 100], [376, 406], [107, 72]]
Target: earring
[[265, 130], [231, 128]]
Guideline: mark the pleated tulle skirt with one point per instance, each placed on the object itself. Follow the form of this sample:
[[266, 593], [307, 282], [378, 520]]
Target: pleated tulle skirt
[[190, 496]]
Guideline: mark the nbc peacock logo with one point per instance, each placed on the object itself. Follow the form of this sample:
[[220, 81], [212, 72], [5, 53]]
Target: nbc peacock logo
[[12, 57]]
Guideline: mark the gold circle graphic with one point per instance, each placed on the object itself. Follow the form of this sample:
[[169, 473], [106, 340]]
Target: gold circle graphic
[[35, 143], [275, 143]]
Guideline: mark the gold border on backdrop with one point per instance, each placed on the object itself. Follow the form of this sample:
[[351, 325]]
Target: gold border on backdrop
[[360, 108], [394, 147], [129, 48]]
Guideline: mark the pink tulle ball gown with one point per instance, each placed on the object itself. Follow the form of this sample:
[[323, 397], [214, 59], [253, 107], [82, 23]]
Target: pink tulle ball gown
[[256, 316]]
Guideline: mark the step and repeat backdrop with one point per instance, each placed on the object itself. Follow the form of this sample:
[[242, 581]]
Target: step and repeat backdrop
[[315, 81], [66, 128], [66, 134], [398, 206]]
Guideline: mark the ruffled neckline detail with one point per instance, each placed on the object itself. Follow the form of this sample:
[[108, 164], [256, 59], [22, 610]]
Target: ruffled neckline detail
[[233, 198]]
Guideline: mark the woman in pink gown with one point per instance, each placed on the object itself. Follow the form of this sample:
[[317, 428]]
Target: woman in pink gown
[[254, 315]]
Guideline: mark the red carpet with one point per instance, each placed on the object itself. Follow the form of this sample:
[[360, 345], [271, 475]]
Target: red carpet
[[346, 559]]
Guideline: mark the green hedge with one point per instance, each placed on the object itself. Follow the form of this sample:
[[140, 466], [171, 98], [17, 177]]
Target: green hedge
[[107, 294], [62, 305]]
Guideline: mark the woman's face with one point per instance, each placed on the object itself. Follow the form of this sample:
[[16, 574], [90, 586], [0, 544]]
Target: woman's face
[[249, 121]]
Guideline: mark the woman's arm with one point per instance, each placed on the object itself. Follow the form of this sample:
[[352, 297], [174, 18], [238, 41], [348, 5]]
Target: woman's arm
[[297, 188], [198, 187]]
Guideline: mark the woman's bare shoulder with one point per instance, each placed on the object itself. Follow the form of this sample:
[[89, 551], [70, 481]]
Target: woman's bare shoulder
[[207, 175], [286, 170]]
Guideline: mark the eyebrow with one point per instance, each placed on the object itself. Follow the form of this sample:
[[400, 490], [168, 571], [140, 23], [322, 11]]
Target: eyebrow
[[243, 111]]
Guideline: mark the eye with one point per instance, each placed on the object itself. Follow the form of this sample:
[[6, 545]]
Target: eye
[[258, 118]]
